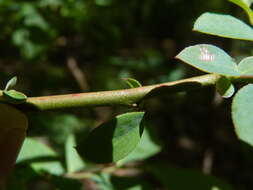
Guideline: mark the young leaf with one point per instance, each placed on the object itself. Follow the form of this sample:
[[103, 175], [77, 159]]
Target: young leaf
[[73, 161], [14, 96], [11, 83], [225, 87], [246, 66], [13, 125], [245, 5], [223, 25], [210, 59], [242, 114], [132, 83], [113, 140]]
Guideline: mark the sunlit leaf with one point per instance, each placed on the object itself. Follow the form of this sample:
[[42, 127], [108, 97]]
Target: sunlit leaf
[[210, 59], [73, 161], [242, 114], [225, 87], [113, 140], [223, 25]]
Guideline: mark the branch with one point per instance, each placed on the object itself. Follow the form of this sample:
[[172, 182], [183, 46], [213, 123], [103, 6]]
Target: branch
[[125, 97]]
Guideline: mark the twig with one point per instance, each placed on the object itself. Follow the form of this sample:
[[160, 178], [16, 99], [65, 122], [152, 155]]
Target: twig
[[125, 97]]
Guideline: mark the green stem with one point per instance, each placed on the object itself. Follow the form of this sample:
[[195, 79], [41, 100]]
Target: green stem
[[126, 97]]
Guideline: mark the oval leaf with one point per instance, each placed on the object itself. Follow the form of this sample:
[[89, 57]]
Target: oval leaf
[[242, 114], [245, 5], [13, 125], [246, 66], [14, 96], [113, 140], [210, 59], [225, 87], [223, 25], [11, 83]]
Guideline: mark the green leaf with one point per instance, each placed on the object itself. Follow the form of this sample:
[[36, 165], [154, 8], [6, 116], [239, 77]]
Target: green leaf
[[14, 96], [209, 58], [11, 83], [242, 114], [225, 87], [40, 157], [180, 179], [223, 25], [132, 83], [245, 5], [113, 140], [73, 161], [145, 149], [246, 66]]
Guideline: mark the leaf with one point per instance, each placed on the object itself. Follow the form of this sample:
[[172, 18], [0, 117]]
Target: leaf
[[132, 83], [11, 83], [223, 25], [113, 140], [242, 114], [209, 58], [179, 179], [73, 161], [246, 66], [14, 96], [13, 125], [245, 5], [225, 87], [40, 157], [145, 149]]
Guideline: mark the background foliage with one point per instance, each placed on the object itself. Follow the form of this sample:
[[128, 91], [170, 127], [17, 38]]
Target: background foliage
[[67, 46]]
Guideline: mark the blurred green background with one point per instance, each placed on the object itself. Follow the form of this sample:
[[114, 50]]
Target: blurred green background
[[69, 46]]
